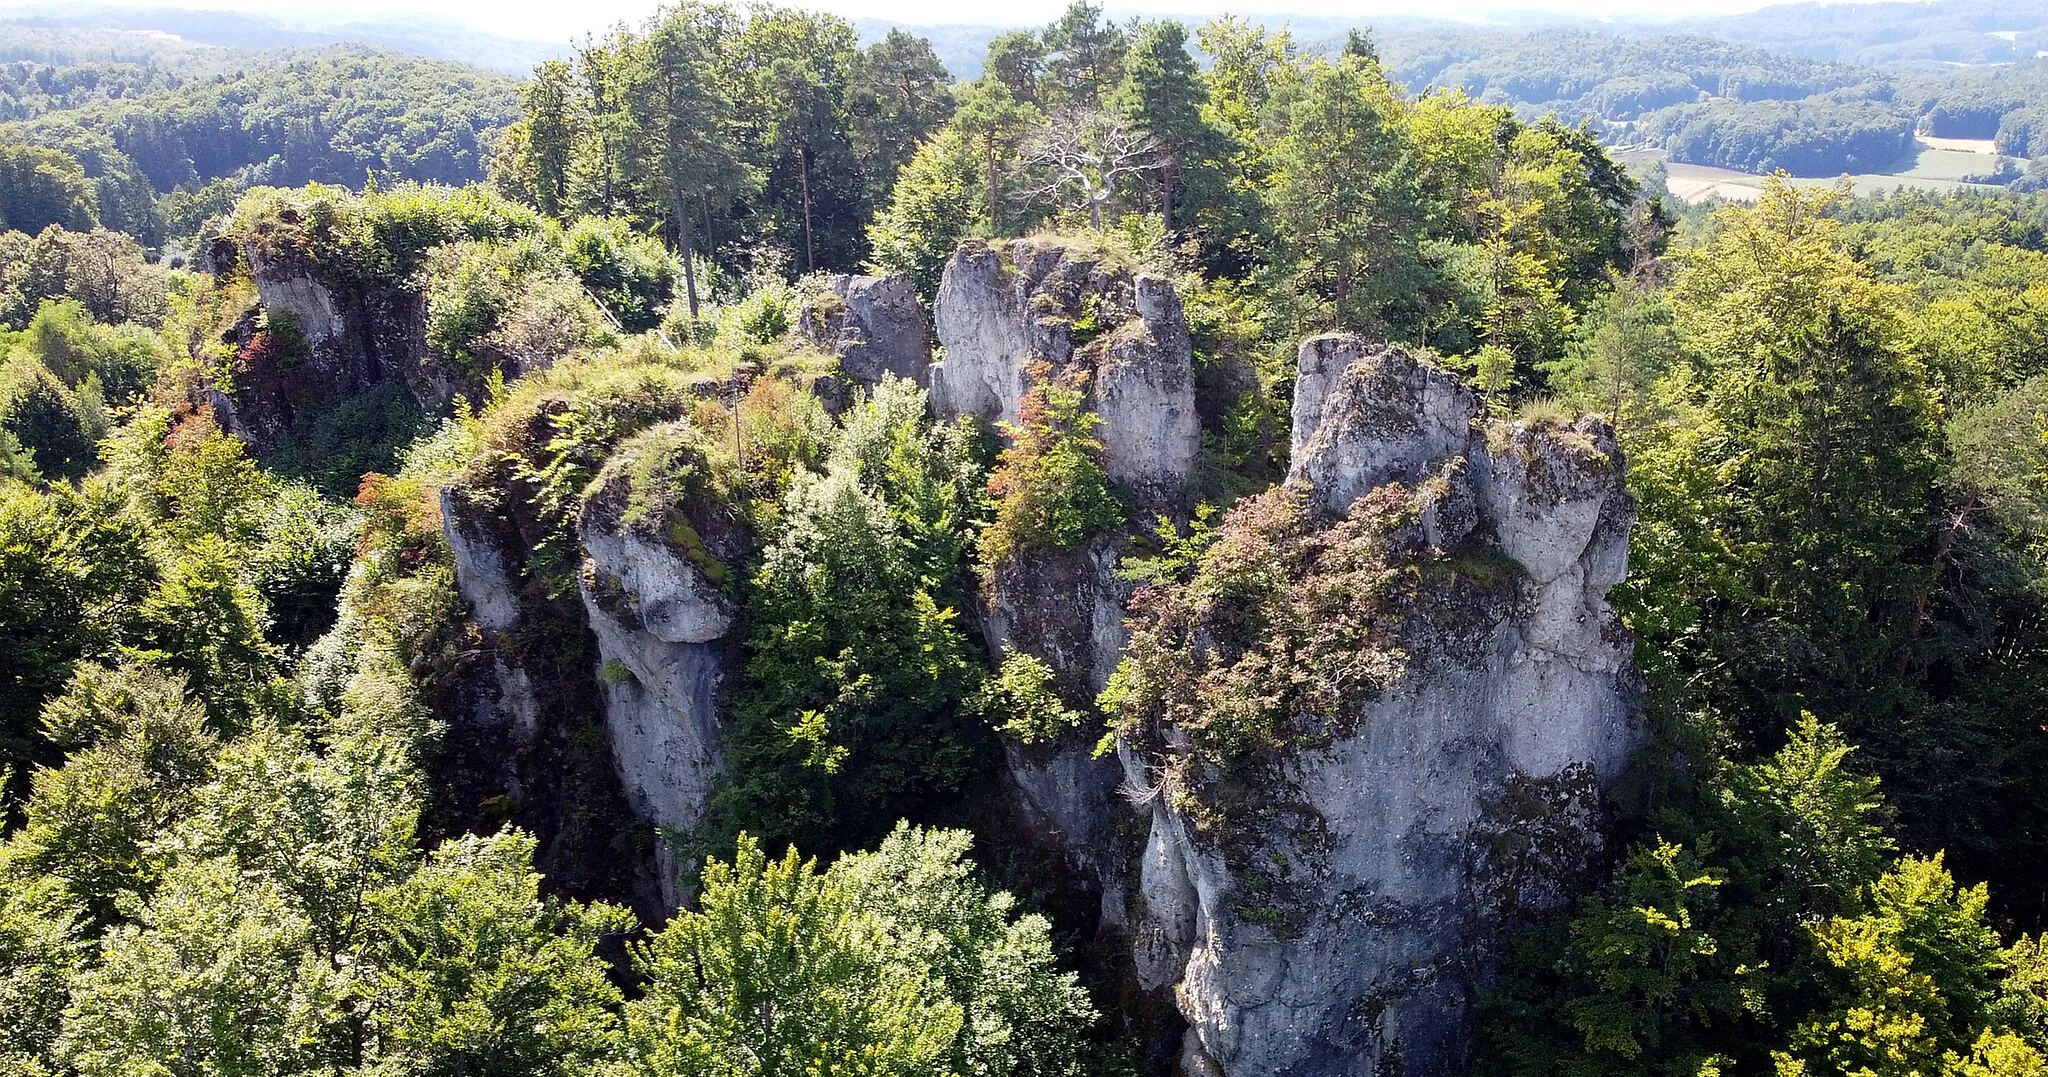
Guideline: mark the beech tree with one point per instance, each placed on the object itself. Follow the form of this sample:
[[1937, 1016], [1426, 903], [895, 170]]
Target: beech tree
[[894, 961], [44, 187]]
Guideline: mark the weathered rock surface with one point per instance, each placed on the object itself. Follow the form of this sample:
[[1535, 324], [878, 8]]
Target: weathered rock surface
[[321, 345], [1453, 805], [1003, 306], [875, 325], [1067, 609], [658, 619], [522, 705], [633, 646]]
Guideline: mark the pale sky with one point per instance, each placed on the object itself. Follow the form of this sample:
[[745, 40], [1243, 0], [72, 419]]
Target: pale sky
[[556, 20]]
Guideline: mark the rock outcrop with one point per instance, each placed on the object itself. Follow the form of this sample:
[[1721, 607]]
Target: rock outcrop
[[317, 345], [1343, 924], [1067, 609], [526, 712], [1435, 815], [875, 325], [658, 618], [1002, 307]]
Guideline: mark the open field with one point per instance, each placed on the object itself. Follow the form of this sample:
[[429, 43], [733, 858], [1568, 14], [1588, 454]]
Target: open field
[[1938, 164], [1967, 145]]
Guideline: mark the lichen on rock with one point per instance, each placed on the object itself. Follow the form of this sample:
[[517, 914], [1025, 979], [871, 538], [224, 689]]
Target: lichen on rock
[[1021, 322], [658, 616], [1372, 730], [1002, 307], [874, 325]]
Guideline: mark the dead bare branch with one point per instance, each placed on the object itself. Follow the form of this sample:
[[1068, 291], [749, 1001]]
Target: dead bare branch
[[1084, 156]]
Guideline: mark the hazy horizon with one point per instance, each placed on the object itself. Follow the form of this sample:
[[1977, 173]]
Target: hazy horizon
[[548, 21]]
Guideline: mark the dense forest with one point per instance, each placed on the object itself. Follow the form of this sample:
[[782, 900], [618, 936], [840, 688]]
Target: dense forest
[[346, 398], [164, 141], [1713, 103]]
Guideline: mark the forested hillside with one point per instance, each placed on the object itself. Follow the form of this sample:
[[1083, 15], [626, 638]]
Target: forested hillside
[[1713, 103], [1128, 564], [1963, 32], [167, 138]]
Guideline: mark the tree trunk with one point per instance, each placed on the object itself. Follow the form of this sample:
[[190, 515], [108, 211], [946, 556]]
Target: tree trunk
[[1166, 196], [685, 248], [804, 181], [990, 143]]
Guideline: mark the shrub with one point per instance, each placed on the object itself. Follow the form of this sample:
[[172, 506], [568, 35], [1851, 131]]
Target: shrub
[[1266, 645], [377, 238], [631, 274], [1051, 489], [894, 961], [763, 317], [121, 359], [850, 714], [1021, 701], [58, 428], [487, 301]]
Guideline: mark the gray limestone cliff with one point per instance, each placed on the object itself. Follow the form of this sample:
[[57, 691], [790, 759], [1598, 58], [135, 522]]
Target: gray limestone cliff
[[1333, 912], [319, 343], [1067, 609], [516, 746], [658, 616], [874, 325], [625, 655], [1427, 819], [1003, 306]]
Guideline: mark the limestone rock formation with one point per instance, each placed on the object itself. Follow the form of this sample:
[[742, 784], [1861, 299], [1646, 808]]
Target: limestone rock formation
[[319, 344], [658, 618], [633, 646], [521, 706], [1003, 306], [1426, 820], [875, 325], [1067, 609]]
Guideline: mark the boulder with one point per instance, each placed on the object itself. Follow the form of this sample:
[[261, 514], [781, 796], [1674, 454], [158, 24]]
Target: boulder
[[875, 325]]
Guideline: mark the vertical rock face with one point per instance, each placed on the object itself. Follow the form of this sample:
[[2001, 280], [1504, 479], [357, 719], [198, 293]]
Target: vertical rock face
[[658, 619], [515, 749], [1003, 306], [875, 325], [1067, 609], [1436, 814], [640, 643], [308, 345]]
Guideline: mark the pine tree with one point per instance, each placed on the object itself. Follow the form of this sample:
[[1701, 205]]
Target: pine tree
[[1162, 96]]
